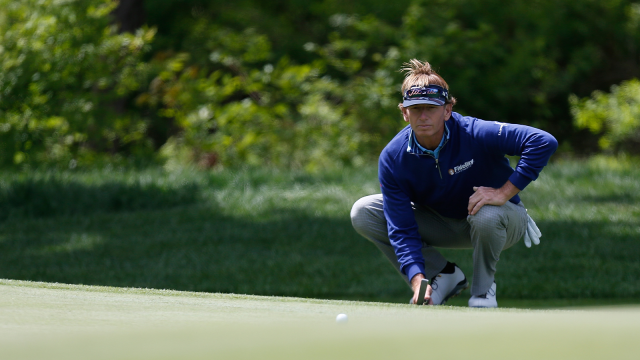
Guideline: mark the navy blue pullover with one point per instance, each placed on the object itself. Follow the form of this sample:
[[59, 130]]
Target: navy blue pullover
[[473, 155]]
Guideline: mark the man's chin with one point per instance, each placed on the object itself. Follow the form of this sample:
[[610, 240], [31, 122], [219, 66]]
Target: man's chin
[[424, 132]]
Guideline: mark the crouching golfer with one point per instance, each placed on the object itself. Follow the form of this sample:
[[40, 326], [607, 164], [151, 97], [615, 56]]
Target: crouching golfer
[[446, 184]]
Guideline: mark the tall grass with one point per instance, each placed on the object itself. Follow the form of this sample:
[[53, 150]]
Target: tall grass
[[272, 232]]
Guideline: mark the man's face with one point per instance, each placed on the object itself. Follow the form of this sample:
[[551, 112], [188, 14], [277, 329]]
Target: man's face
[[427, 121]]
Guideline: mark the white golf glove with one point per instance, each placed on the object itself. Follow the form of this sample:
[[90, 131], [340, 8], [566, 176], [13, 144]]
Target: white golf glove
[[533, 234]]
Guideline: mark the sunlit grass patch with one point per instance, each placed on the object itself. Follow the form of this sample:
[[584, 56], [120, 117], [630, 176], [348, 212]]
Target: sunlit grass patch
[[77, 242]]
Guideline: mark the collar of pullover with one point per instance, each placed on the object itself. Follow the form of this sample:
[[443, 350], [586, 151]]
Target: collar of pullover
[[415, 148]]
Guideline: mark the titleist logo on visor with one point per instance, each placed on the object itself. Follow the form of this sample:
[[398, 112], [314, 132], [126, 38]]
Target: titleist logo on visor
[[431, 94], [416, 92]]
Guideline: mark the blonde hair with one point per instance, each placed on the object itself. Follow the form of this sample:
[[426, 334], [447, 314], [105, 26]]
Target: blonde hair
[[420, 73]]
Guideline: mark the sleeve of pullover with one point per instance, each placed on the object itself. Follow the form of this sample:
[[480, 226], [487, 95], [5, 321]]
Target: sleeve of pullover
[[534, 147], [401, 223]]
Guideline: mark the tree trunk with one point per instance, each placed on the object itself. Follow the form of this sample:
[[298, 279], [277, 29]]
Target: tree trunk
[[129, 15]]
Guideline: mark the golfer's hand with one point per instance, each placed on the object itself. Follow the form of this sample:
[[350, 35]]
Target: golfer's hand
[[490, 196], [415, 285]]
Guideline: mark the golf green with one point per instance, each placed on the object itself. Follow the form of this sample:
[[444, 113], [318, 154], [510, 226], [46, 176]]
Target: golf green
[[57, 321]]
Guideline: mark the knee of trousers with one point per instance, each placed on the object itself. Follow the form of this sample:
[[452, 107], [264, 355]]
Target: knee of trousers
[[487, 221], [366, 214]]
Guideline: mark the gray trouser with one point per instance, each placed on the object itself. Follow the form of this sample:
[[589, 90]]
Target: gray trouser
[[488, 232]]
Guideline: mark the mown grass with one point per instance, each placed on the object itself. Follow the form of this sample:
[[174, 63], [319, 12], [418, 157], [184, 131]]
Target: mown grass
[[56, 321], [269, 232]]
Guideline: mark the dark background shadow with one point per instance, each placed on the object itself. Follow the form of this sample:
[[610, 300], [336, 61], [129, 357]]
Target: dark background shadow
[[36, 198]]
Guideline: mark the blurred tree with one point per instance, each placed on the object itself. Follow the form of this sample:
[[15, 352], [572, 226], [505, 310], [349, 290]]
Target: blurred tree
[[129, 17], [288, 24], [231, 112], [289, 82], [517, 61], [62, 65]]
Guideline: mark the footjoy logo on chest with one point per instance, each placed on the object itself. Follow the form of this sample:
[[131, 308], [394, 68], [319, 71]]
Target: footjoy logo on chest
[[461, 168]]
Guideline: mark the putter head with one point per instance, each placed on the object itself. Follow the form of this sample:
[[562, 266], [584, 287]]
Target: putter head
[[423, 291]]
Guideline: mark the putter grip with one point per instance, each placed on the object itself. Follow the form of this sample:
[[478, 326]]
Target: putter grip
[[423, 291]]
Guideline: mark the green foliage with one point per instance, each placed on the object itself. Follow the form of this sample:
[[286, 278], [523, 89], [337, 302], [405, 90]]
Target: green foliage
[[514, 61], [233, 107], [517, 61], [289, 24], [614, 115], [63, 70], [288, 84]]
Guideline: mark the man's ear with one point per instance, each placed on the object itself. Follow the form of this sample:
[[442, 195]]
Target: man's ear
[[448, 109], [405, 113]]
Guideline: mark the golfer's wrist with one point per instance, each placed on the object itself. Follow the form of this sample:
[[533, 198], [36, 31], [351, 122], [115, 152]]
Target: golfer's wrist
[[507, 191], [415, 281]]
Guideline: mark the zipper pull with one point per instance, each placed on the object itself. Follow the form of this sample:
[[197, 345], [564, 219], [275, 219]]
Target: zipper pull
[[438, 166]]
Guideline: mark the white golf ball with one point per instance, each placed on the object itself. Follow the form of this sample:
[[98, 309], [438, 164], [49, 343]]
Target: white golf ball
[[342, 318]]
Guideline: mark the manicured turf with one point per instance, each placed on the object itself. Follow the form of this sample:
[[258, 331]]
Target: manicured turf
[[268, 232], [54, 321]]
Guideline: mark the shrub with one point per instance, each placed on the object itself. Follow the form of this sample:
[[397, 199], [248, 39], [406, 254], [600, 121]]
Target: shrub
[[64, 72], [233, 107], [615, 115]]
